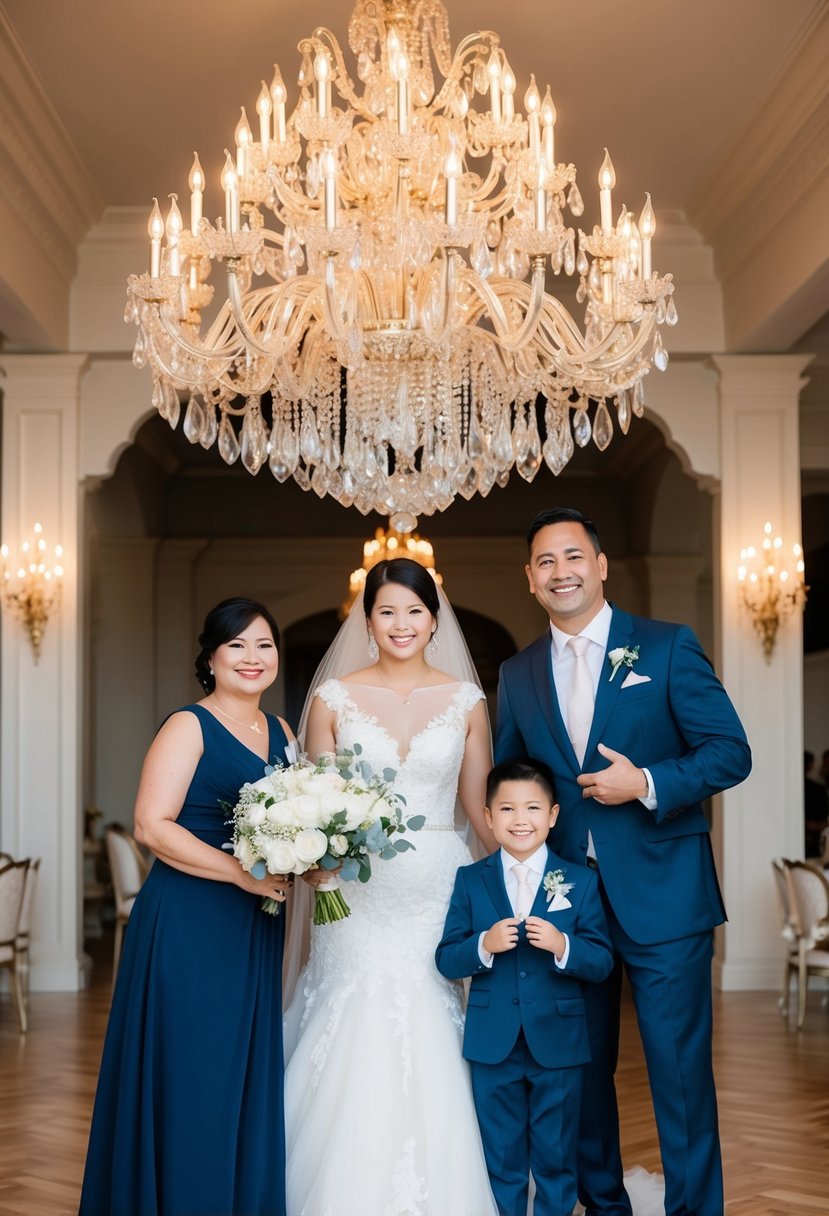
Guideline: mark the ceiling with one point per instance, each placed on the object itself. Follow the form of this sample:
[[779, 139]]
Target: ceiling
[[666, 85]]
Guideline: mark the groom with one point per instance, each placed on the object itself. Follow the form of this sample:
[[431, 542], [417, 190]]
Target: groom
[[638, 730]]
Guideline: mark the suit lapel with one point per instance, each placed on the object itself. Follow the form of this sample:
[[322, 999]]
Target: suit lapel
[[493, 876], [539, 907], [545, 691], [621, 630]]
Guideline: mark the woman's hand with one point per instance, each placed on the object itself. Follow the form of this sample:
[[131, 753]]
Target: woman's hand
[[272, 886], [319, 878]]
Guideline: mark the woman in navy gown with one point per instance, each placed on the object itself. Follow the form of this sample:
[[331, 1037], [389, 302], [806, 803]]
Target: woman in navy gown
[[188, 1117]]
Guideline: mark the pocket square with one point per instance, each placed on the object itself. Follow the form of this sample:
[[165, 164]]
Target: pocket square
[[558, 903], [632, 678]]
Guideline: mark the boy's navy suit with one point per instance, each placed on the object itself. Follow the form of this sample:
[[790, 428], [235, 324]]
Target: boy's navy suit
[[526, 1028]]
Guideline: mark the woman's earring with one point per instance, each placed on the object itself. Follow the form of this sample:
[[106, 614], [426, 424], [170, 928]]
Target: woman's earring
[[373, 648], [211, 671], [433, 644]]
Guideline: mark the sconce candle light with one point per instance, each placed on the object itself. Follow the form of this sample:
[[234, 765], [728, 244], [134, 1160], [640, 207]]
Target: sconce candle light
[[30, 586], [771, 585]]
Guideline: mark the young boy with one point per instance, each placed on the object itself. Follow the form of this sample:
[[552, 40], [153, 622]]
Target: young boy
[[528, 928]]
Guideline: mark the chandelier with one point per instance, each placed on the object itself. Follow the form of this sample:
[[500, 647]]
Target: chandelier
[[388, 544], [387, 336]]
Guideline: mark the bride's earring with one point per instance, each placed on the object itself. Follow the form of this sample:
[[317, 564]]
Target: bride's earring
[[433, 645], [373, 648]]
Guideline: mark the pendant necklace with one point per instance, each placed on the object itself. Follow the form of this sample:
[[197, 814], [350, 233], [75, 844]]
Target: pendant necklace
[[254, 727], [406, 695]]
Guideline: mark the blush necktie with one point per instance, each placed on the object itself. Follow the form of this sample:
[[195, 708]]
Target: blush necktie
[[580, 703], [524, 895]]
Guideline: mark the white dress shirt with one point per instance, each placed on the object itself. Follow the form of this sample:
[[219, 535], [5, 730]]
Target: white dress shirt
[[597, 632], [535, 866]]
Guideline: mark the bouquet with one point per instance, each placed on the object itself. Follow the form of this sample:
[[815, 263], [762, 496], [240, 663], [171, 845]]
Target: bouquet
[[333, 815]]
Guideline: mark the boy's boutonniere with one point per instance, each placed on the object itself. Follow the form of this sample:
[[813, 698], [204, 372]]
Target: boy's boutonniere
[[554, 884], [622, 656]]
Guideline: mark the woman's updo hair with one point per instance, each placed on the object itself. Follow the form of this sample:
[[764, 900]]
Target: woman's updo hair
[[406, 573], [224, 623]]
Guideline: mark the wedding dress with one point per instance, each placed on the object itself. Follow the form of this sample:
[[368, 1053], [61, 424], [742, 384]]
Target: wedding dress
[[379, 1112], [378, 1106]]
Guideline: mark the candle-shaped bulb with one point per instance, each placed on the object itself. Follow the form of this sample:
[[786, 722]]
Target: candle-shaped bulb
[[278, 91], [229, 179], [244, 138], [155, 228], [264, 106], [196, 180], [322, 67], [607, 174], [508, 87], [230, 185], [767, 527], [647, 220], [548, 121], [402, 66], [493, 67], [548, 110], [532, 98], [155, 224], [173, 225]]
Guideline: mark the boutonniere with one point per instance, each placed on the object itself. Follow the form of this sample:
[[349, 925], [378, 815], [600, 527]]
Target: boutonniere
[[622, 656], [554, 884]]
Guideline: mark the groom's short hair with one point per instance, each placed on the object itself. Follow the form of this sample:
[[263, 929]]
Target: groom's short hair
[[521, 770], [563, 515]]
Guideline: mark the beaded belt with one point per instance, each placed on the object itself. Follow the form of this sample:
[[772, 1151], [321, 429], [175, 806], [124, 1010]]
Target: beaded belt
[[437, 827]]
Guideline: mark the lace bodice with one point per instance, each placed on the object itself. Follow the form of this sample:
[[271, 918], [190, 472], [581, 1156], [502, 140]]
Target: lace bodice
[[422, 738]]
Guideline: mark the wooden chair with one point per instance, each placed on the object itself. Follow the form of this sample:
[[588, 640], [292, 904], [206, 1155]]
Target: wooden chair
[[128, 869], [787, 929], [24, 928], [809, 899], [12, 884]]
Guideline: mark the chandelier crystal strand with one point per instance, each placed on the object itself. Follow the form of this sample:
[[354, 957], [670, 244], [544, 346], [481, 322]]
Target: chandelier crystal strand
[[386, 336]]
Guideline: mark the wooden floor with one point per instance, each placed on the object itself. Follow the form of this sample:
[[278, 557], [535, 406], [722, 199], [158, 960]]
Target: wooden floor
[[773, 1089]]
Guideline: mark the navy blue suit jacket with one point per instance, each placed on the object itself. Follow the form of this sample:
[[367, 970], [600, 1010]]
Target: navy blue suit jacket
[[657, 867], [524, 988]]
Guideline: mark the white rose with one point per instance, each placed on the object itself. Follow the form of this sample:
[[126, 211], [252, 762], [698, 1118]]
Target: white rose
[[333, 779], [280, 814], [310, 844], [245, 853], [616, 655], [357, 809], [338, 844], [255, 814], [307, 811], [280, 856]]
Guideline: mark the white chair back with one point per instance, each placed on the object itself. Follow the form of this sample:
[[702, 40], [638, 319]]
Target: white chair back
[[784, 903], [809, 893], [12, 882], [126, 866], [24, 927]]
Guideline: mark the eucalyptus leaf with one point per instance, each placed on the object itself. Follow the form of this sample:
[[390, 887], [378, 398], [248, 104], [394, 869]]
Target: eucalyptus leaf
[[365, 871], [259, 869], [389, 774], [350, 870], [357, 749], [402, 846], [327, 862], [388, 852], [415, 823]]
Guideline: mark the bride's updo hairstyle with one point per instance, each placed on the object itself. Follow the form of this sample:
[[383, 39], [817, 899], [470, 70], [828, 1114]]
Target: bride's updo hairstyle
[[406, 573], [224, 623]]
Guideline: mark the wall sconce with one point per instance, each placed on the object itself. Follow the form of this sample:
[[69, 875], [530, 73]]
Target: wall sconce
[[771, 587], [30, 587]]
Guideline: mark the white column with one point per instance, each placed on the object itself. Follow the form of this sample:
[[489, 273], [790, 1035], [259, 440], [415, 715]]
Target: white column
[[41, 728], [762, 818]]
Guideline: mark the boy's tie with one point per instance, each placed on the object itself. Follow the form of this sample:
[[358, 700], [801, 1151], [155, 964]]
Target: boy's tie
[[580, 702], [524, 895]]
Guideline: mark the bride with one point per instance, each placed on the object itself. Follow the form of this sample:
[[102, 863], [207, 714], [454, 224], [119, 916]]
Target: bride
[[378, 1101]]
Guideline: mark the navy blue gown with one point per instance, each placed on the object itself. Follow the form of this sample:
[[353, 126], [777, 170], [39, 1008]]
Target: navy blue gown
[[188, 1116]]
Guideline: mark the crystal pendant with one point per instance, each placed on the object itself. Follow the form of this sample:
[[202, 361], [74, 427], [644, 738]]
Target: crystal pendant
[[575, 201], [172, 405], [193, 420], [530, 463], [301, 478], [581, 427], [582, 264], [660, 355], [502, 478], [253, 441], [481, 259], [139, 353], [310, 448], [469, 485], [639, 398], [623, 411], [228, 443], [403, 521], [671, 315], [602, 427], [553, 456], [210, 429]]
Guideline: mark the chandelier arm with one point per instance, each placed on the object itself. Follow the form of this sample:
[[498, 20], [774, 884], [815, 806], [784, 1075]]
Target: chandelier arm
[[446, 271], [235, 300], [464, 50], [175, 377], [198, 352], [344, 83]]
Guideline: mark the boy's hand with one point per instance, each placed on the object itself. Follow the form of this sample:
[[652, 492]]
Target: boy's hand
[[502, 936], [543, 934]]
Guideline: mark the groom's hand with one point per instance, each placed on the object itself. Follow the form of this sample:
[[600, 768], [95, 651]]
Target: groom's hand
[[620, 782], [502, 936]]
